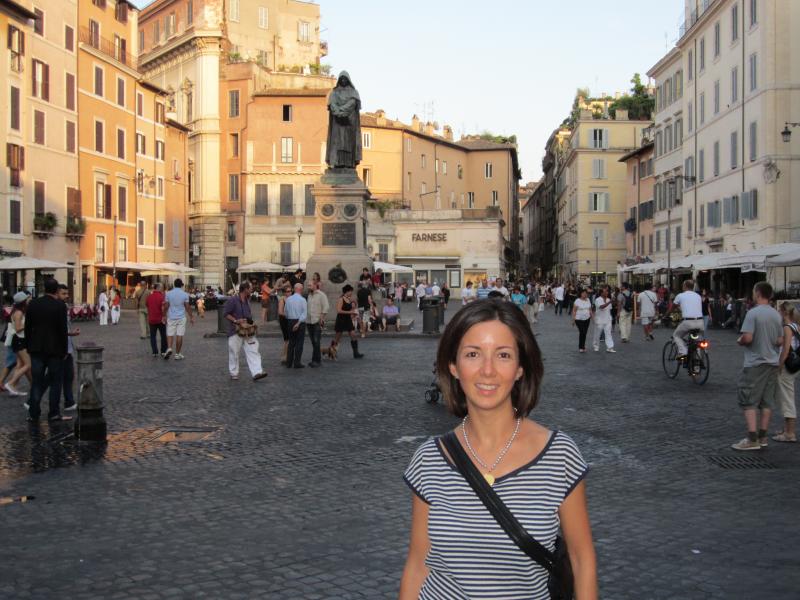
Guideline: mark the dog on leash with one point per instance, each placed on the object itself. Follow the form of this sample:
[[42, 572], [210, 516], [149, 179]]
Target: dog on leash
[[331, 351]]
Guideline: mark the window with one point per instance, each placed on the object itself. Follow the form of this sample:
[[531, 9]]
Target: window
[[14, 112], [678, 236], [702, 108], [16, 46], [38, 198], [423, 188], [286, 253], [286, 199], [15, 158], [734, 23], [263, 17], [702, 217], [70, 137], [122, 249], [688, 168], [102, 200], [169, 24], [69, 38], [716, 158], [141, 40], [287, 113], [141, 144], [262, 199], [599, 138], [690, 116], [690, 65], [383, 252], [460, 171], [716, 39], [234, 10], [231, 235], [730, 209], [750, 205], [120, 49], [99, 137], [495, 197], [139, 104], [716, 97], [160, 187], [121, 12], [598, 168], [98, 81], [702, 54], [309, 200], [658, 241], [140, 232], [156, 31], [233, 188], [470, 199], [121, 144], [159, 150], [233, 103], [701, 165], [734, 149], [70, 91], [734, 85], [189, 12], [668, 138], [753, 71], [753, 12], [423, 161], [40, 80], [38, 22], [366, 140], [598, 201], [120, 91], [303, 31], [488, 170], [234, 145], [160, 113], [160, 235], [444, 167], [122, 203], [100, 4], [689, 223], [100, 248], [678, 133], [286, 150], [366, 177], [753, 141]]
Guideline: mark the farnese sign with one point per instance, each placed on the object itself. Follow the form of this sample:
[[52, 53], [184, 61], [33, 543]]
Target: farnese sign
[[429, 237]]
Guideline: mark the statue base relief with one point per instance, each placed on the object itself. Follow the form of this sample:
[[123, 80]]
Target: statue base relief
[[340, 251]]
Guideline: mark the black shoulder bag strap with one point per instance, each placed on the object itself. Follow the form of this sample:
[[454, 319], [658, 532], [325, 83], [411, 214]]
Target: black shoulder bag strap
[[499, 510]]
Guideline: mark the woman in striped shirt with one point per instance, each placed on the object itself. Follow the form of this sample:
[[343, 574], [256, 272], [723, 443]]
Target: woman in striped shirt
[[490, 369]]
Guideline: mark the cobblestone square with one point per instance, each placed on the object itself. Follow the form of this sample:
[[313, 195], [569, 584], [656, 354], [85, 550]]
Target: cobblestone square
[[297, 491]]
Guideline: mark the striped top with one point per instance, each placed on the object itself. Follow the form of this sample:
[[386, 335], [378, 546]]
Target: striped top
[[471, 557]]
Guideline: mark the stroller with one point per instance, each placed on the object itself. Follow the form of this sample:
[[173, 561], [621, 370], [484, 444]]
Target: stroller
[[433, 394]]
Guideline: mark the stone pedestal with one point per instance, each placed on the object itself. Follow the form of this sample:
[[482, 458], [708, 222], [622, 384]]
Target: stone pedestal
[[341, 233]]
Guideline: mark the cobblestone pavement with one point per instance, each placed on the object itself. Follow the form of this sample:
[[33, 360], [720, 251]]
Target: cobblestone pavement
[[297, 491]]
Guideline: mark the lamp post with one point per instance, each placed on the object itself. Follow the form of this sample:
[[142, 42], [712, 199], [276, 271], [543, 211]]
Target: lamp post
[[299, 233], [786, 134]]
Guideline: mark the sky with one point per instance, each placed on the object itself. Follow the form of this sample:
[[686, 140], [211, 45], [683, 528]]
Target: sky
[[504, 66]]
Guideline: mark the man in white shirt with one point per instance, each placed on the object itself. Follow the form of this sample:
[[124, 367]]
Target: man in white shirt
[[468, 294], [691, 304], [437, 291], [420, 294], [498, 285], [647, 310], [559, 295], [603, 320]]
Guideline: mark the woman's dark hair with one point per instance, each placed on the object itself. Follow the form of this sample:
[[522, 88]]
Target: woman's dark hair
[[525, 393], [347, 288]]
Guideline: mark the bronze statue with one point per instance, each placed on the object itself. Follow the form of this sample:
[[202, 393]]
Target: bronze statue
[[344, 125]]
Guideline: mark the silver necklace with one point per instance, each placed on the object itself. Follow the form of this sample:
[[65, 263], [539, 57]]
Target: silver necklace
[[487, 474]]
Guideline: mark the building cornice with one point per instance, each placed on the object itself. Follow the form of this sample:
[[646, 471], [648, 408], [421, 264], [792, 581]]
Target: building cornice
[[707, 14], [16, 9], [193, 40], [664, 62]]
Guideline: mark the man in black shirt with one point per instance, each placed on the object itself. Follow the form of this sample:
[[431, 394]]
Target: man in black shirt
[[364, 306], [46, 339]]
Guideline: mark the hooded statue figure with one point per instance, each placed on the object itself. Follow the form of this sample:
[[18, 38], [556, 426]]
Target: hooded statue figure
[[344, 125]]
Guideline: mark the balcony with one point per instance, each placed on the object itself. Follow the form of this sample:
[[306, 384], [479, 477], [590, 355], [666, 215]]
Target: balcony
[[694, 16], [116, 51]]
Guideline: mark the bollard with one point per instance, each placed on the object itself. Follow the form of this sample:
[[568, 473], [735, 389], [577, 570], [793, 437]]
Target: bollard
[[91, 424], [222, 322]]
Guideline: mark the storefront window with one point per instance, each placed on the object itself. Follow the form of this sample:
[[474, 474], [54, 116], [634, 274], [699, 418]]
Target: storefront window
[[438, 276], [421, 276]]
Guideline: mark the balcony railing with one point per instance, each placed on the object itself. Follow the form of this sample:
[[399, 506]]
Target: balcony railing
[[107, 47], [694, 16]]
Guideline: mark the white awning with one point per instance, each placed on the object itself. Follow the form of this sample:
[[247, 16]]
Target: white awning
[[755, 260], [390, 268], [262, 267], [28, 263], [787, 259]]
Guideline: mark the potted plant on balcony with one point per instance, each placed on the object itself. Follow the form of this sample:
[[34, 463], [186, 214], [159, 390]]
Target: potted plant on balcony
[[630, 225], [76, 227], [44, 224]]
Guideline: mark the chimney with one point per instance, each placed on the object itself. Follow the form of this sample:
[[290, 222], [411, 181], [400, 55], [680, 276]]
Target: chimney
[[622, 114], [448, 133], [380, 116], [429, 129], [415, 123], [586, 113]]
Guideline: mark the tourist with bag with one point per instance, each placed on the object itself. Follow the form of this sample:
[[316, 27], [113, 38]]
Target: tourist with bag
[[242, 334], [789, 363], [473, 487]]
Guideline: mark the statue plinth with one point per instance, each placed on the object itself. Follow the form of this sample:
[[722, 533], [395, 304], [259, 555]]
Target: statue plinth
[[340, 251]]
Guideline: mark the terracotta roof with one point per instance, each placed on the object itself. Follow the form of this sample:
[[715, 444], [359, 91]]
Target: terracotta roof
[[292, 92], [18, 9], [637, 151], [484, 145]]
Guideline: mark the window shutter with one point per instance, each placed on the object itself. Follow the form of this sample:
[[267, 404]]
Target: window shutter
[[606, 138], [9, 155], [21, 158], [591, 202], [33, 77], [124, 49], [46, 82], [726, 210], [22, 42], [606, 201], [107, 203], [595, 169]]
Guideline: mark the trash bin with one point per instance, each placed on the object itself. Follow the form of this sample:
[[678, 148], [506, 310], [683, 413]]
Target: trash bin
[[272, 308], [222, 326], [430, 315]]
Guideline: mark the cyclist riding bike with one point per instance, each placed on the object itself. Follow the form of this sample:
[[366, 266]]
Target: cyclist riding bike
[[691, 305]]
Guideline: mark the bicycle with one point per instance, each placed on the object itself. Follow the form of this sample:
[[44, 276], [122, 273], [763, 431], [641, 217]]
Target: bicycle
[[697, 362]]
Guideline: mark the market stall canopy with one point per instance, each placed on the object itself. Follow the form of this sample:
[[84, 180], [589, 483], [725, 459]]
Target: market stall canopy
[[27, 263], [787, 259], [755, 260], [390, 268], [701, 262], [125, 265], [262, 267], [168, 269], [647, 267]]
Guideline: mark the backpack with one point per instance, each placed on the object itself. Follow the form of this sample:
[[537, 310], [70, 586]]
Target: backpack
[[628, 305], [792, 362]]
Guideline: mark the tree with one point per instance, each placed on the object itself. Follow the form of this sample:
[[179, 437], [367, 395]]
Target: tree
[[639, 103], [498, 139]]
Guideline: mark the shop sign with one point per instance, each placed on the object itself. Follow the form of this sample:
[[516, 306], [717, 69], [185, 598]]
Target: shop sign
[[429, 237]]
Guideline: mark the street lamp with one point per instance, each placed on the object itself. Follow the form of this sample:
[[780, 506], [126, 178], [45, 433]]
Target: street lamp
[[786, 134], [299, 233]]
